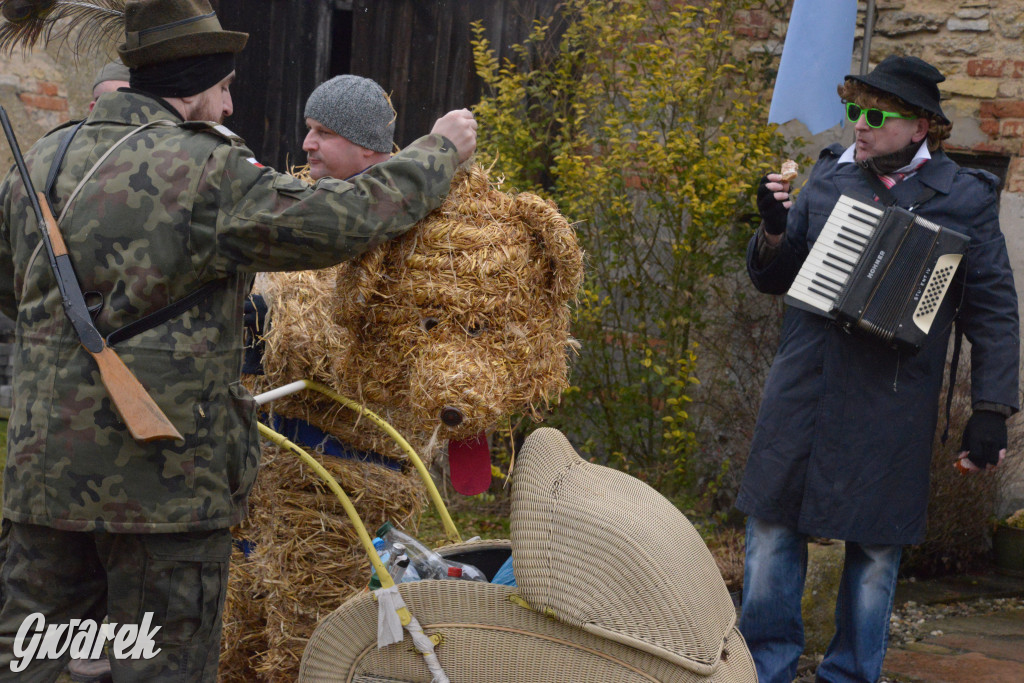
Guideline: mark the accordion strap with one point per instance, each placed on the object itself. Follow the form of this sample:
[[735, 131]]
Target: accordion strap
[[881, 191], [885, 194], [954, 364]]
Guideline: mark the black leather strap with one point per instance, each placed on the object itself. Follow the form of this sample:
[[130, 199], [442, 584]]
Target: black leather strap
[[881, 191], [885, 194], [58, 159], [171, 310], [954, 364], [159, 317]]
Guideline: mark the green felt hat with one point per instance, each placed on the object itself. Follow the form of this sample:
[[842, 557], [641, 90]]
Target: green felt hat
[[164, 30]]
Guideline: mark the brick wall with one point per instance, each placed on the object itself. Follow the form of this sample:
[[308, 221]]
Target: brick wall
[[39, 90]]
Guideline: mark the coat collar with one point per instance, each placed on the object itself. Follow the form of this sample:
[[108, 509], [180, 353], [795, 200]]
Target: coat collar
[[133, 107], [937, 174]]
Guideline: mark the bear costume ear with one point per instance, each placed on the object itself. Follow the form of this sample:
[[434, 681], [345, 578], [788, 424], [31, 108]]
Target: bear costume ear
[[555, 252]]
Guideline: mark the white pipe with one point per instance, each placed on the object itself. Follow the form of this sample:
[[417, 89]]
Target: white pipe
[[280, 392]]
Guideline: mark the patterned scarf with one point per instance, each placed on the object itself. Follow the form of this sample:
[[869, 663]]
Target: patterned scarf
[[894, 167]]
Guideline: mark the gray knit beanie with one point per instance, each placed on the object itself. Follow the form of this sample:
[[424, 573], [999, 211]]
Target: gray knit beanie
[[355, 108]]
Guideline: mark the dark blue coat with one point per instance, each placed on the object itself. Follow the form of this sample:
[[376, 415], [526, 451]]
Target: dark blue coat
[[844, 435]]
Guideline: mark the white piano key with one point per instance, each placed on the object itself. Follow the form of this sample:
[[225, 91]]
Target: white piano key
[[835, 253]]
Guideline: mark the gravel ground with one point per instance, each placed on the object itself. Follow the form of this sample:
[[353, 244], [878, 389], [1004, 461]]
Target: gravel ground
[[909, 623]]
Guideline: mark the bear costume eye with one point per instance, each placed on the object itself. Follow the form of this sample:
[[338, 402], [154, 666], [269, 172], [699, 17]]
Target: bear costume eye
[[451, 416], [427, 324], [476, 329]]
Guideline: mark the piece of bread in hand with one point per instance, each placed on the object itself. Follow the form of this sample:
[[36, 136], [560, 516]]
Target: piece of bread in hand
[[790, 170]]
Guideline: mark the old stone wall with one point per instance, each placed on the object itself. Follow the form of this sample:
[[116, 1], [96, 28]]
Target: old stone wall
[[39, 90]]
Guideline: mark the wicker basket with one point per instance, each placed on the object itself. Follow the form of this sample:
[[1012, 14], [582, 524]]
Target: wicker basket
[[634, 594], [601, 550]]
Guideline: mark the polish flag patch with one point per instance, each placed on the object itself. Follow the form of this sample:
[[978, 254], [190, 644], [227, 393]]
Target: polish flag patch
[[252, 160]]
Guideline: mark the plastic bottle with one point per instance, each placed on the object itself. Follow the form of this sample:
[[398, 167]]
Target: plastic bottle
[[400, 567], [428, 564], [465, 571], [383, 551]]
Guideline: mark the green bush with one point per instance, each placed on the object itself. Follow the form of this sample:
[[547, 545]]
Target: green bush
[[654, 152]]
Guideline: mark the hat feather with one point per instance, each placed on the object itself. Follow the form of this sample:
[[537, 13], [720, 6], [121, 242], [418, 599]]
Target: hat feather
[[81, 25]]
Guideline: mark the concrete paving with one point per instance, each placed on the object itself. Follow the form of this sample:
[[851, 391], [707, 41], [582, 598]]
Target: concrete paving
[[980, 648]]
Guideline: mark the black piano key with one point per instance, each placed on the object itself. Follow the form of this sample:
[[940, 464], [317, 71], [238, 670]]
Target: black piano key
[[826, 286], [839, 258], [814, 290], [864, 216], [830, 279], [836, 267], [854, 246], [853, 230]]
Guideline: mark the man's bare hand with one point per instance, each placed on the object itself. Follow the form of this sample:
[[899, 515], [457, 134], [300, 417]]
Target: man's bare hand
[[459, 126]]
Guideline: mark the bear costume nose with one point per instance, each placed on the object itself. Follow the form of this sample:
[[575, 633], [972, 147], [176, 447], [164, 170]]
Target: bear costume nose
[[452, 417]]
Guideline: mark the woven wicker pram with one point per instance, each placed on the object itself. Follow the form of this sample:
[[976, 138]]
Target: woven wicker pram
[[614, 585]]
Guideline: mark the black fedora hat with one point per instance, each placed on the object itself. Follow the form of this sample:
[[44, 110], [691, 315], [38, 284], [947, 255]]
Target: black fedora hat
[[911, 79], [165, 30]]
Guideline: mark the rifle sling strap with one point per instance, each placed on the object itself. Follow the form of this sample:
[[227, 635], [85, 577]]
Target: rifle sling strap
[[162, 315], [168, 312], [58, 159]]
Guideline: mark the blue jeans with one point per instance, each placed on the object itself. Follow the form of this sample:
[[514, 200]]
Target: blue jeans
[[771, 623]]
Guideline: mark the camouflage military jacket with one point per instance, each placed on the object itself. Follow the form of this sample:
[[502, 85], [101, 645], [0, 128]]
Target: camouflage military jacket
[[173, 207]]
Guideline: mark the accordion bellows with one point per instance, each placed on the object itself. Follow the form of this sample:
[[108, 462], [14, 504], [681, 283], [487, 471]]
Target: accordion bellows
[[600, 549]]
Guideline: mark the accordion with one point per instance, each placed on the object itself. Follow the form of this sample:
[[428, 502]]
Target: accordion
[[882, 271]]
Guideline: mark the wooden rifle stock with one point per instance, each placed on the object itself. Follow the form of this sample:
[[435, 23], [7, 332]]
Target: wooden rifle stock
[[142, 416]]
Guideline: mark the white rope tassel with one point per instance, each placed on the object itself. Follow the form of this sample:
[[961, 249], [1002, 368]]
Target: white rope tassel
[[389, 624], [426, 647], [389, 630]]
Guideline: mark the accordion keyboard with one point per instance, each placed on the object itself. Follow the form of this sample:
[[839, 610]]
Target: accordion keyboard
[[881, 271], [835, 253]]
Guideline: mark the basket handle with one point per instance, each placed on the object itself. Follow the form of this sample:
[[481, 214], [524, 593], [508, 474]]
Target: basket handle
[[446, 520]]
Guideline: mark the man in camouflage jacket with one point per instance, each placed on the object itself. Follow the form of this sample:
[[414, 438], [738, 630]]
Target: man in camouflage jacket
[[96, 523]]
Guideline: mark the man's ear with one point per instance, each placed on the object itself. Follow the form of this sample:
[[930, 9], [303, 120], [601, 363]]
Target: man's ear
[[923, 126]]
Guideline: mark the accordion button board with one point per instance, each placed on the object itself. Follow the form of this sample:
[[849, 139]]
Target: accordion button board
[[880, 270]]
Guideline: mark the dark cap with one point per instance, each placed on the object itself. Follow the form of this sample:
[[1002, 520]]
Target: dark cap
[[910, 79], [113, 71], [158, 31]]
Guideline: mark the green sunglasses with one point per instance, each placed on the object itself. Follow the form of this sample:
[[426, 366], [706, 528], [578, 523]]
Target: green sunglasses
[[875, 117]]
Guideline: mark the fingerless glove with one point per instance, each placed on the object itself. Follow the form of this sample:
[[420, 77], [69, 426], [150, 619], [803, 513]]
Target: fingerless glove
[[984, 436], [773, 213]]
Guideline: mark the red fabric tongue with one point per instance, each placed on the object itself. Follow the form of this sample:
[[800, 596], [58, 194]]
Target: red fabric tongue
[[469, 462]]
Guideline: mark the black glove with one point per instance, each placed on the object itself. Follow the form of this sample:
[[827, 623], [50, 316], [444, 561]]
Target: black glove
[[773, 213], [984, 436], [256, 325]]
